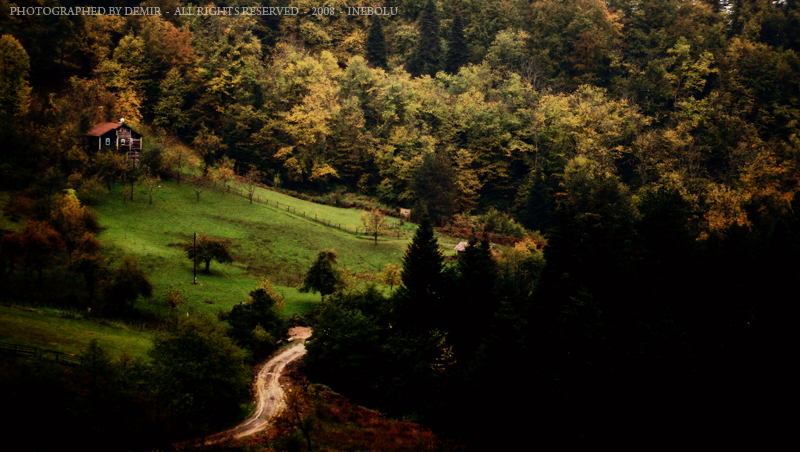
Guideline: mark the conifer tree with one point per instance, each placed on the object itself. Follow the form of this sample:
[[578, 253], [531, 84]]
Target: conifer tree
[[376, 44], [428, 56], [419, 296], [322, 277], [477, 299], [457, 55]]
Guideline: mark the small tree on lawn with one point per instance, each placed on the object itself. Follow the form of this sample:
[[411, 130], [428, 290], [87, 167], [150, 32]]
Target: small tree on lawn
[[126, 284], [181, 158], [391, 276], [208, 249], [374, 222], [250, 181], [323, 276], [223, 171], [151, 182], [174, 299], [199, 183]]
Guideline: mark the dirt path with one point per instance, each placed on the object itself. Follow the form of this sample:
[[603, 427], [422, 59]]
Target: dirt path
[[269, 394]]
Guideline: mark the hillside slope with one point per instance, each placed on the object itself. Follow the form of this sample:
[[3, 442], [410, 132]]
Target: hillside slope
[[268, 241]]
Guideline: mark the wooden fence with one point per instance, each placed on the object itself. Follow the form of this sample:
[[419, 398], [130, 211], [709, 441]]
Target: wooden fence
[[263, 200], [33, 352]]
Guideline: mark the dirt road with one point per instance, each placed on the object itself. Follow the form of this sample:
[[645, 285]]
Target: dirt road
[[269, 394]]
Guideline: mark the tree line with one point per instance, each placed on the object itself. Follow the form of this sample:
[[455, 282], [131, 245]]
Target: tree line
[[619, 325], [483, 104]]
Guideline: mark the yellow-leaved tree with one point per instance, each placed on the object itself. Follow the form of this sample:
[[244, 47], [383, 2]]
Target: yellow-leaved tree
[[14, 88]]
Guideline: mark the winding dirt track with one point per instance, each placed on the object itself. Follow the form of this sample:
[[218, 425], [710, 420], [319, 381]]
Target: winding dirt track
[[269, 394]]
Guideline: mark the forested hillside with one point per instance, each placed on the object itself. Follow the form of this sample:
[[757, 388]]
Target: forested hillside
[[644, 155]]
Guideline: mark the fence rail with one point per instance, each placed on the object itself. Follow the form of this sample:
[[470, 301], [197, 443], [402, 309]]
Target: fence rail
[[277, 205], [22, 350]]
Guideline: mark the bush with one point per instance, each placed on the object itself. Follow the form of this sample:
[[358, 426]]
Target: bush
[[500, 223], [200, 374]]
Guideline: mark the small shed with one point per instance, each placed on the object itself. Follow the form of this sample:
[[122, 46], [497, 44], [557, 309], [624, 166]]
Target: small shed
[[117, 135], [460, 248], [405, 214]]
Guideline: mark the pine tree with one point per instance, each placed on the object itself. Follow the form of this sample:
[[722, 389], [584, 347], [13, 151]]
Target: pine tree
[[457, 55], [322, 277], [427, 58], [418, 301], [376, 44], [477, 298]]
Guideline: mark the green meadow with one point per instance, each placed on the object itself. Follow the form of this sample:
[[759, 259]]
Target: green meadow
[[268, 241], [67, 332]]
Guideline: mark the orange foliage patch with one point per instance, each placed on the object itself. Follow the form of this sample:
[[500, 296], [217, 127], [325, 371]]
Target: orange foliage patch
[[340, 425]]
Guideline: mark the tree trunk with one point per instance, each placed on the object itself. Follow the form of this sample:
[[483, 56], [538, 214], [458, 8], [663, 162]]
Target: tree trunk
[[208, 264], [376, 237]]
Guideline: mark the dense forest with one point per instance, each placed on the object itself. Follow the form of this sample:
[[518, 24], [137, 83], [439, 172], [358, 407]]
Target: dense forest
[[644, 153]]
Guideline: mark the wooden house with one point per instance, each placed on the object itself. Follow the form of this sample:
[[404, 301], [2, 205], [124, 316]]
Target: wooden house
[[117, 135]]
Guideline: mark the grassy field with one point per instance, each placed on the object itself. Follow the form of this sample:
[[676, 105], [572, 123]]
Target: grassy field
[[68, 333], [268, 241]]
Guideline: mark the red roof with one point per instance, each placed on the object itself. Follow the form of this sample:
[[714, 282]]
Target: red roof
[[102, 128]]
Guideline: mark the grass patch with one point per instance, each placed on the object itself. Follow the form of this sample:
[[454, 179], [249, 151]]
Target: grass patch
[[67, 332], [268, 241]]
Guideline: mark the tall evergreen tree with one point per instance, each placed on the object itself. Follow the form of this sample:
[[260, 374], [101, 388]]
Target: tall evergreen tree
[[428, 56], [376, 44], [418, 300], [457, 54], [322, 277], [472, 311]]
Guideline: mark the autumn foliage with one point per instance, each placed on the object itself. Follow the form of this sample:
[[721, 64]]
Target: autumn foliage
[[338, 424], [35, 247]]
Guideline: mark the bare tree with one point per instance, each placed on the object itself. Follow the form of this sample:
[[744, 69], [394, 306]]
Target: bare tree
[[151, 182], [223, 172], [180, 159], [374, 223], [199, 183], [533, 73], [250, 181]]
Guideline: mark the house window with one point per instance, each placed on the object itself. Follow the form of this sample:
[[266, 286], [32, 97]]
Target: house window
[[108, 141], [123, 141]]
